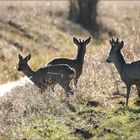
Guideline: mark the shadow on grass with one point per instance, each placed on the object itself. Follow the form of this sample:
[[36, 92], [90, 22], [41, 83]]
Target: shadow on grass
[[136, 111], [124, 109], [93, 103], [83, 133]]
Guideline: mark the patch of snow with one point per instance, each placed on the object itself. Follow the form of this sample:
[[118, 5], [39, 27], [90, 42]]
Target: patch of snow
[[11, 85]]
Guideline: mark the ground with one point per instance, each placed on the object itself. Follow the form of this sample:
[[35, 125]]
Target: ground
[[97, 110]]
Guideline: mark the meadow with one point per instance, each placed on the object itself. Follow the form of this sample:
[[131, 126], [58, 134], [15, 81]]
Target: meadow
[[97, 110]]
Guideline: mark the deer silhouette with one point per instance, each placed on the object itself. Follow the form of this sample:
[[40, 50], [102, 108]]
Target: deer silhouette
[[48, 76], [77, 63], [130, 73]]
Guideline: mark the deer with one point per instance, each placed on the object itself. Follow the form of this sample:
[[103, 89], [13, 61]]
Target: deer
[[48, 76], [129, 72], [77, 63]]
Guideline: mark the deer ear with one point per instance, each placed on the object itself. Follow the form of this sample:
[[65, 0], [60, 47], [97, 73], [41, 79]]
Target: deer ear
[[20, 57], [87, 41], [113, 40], [117, 39], [28, 57], [122, 44], [75, 41]]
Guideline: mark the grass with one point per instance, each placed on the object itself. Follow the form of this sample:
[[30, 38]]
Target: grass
[[97, 110], [48, 116], [45, 41]]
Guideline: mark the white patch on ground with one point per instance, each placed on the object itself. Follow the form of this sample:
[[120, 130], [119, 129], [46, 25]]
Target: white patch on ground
[[11, 85]]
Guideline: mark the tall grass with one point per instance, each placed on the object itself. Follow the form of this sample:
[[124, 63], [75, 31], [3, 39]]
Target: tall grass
[[97, 109]]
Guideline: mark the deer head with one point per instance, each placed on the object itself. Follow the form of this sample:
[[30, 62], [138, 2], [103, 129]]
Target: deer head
[[116, 46], [22, 65], [81, 44]]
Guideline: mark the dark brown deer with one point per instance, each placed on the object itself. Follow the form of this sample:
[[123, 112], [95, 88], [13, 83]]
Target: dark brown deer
[[77, 63], [48, 76], [130, 73]]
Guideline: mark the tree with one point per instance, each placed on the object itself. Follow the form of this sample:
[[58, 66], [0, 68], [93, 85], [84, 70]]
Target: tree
[[84, 12]]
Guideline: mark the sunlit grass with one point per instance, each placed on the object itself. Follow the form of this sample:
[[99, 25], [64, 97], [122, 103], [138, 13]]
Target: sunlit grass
[[27, 114]]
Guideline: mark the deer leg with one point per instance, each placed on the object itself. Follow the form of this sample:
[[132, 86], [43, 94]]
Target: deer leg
[[67, 88], [40, 86], [52, 88], [41, 89], [138, 90], [75, 82], [128, 92], [50, 83]]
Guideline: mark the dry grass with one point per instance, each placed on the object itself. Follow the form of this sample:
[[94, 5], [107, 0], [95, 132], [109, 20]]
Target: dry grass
[[36, 32], [25, 113]]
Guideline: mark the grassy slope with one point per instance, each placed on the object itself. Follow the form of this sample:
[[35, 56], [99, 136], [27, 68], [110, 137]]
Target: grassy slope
[[97, 109]]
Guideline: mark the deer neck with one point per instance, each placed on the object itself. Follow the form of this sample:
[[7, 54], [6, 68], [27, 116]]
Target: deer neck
[[119, 62], [80, 57], [28, 72]]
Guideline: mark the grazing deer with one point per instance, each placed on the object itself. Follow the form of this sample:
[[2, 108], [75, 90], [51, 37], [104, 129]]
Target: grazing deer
[[77, 63], [130, 73], [47, 76]]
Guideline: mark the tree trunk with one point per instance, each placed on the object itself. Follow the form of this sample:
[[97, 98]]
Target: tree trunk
[[84, 12]]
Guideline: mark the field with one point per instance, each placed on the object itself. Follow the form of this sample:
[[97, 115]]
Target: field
[[97, 110]]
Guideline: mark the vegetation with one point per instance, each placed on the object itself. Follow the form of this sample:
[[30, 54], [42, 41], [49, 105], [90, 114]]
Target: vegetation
[[97, 110]]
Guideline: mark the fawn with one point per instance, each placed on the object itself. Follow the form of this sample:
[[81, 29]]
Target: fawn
[[47, 76], [77, 63], [130, 73]]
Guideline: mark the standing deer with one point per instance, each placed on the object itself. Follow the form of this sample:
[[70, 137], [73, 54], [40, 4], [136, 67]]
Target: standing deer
[[130, 73], [47, 76], [77, 63]]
